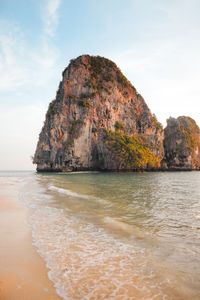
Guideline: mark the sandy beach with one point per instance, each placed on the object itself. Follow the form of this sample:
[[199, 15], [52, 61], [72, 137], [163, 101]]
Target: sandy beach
[[23, 274]]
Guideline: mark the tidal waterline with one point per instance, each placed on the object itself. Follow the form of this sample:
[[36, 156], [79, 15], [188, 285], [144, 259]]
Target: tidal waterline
[[118, 235]]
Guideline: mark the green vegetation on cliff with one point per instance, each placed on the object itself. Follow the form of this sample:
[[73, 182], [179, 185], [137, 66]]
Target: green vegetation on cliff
[[103, 72], [155, 122], [94, 95], [52, 108], [119, 125], [73, 133], [191, 132], [182, 143], [131, 152]]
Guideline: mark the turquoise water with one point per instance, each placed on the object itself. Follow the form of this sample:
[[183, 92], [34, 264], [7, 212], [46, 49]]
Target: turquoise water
[[117, 235]]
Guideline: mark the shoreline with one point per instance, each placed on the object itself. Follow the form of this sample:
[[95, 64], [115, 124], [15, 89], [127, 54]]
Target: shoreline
[[59, 172], [23, 274]]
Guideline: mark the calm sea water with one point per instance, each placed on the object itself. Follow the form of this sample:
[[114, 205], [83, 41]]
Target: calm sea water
[[117, 235]]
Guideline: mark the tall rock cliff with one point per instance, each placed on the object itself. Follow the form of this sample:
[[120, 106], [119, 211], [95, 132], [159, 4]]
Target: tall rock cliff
[[182, 144], [98, 121]]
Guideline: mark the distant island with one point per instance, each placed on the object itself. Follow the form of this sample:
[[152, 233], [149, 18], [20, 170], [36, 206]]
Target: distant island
[[98, 121]]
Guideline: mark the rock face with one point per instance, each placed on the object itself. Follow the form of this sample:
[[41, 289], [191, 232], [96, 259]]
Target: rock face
[[98, 121], [182, 144]]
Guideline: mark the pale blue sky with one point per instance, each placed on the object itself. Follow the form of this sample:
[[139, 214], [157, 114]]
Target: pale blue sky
[[156, 44]]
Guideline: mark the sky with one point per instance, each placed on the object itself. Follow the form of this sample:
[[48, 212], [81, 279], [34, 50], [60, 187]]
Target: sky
[[155, 43]]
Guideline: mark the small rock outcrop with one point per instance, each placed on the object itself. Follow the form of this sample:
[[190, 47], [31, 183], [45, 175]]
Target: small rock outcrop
[[98, 121], [182, 144]]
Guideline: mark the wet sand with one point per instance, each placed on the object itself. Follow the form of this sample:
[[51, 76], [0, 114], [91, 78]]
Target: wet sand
[[23, 274]]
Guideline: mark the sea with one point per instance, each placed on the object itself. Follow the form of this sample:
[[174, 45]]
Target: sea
[[116, 235]]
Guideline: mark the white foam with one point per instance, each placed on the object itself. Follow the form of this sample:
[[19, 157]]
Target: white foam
[[67, 192], [84, 259], [95, 260], [59, 244], [33, 195], [77, 195]]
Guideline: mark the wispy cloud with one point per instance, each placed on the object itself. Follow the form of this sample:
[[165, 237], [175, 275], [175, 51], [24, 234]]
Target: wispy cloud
[[50, 16], [29, 75], [13, 72], [164, 67], [166, 75], [23, 63]]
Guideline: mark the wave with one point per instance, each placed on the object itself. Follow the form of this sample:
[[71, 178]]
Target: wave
[[115, 224], [67, 192], [77, 254], [133, 231], [77, 195]]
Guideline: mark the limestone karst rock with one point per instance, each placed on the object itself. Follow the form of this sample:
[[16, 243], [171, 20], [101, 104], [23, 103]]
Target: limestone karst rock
[[182, 144], [98, 121]]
